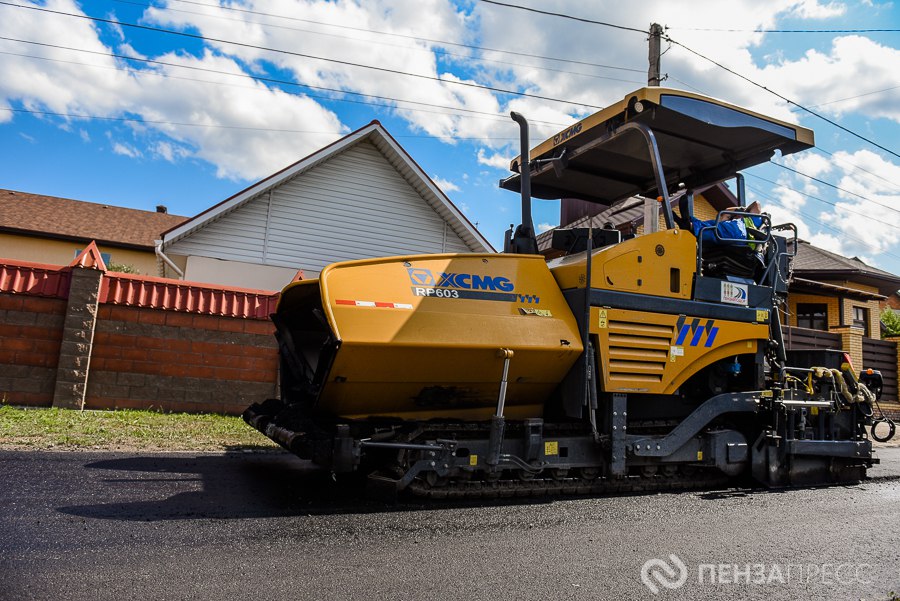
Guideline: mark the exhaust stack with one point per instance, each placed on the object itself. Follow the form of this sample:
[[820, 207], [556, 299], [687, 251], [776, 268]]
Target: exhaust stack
[[523, 241]]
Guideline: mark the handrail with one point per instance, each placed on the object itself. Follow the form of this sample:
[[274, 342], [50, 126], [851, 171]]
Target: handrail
[[767, 225]]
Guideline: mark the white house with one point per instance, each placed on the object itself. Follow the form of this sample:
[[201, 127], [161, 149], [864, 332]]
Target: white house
[[362, 196]]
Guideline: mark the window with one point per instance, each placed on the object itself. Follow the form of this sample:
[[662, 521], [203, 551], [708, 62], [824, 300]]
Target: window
[[813, 316], [861, 319], [107, 258]]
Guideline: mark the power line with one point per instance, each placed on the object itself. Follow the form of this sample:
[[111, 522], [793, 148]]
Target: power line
[[828, 202], [785, 30], [301, 55], [144, 73], [814, 220], [685, 84], [565, 16], [855, 97], [784, 98], [392, 34], [406, 47], [819, 148], [160, 122], [219, 126], [495, 116], [832, 155], [823, 182]]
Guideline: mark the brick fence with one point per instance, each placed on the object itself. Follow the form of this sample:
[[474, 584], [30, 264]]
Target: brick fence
[[78, 336], [30, 336]]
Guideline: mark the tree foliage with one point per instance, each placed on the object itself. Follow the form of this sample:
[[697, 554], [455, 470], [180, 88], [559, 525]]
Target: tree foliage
[[122, 268], [891, 321]]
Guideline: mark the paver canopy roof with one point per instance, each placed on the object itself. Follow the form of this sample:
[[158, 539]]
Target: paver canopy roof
[[606, 157]]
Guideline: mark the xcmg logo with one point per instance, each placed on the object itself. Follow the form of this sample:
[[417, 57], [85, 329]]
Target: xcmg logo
[[466, 285], [565, 135], [462, 281]]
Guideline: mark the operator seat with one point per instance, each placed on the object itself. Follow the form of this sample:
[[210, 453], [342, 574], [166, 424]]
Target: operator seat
[[738, 258]]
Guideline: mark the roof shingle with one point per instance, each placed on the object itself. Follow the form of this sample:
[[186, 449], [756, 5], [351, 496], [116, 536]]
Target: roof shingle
[[813, 258], [35, 214]]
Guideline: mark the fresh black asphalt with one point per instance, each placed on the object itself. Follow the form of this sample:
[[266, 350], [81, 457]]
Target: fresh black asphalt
[[267, 526]]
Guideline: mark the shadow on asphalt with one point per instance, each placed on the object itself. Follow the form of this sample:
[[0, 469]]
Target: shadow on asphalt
[[228, 486], [238, 485]]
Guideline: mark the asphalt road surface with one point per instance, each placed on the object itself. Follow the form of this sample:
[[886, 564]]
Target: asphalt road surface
[[267, 526]]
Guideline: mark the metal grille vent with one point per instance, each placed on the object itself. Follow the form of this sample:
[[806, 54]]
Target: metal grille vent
[[638, 352]]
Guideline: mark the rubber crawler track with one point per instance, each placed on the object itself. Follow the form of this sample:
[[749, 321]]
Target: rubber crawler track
[[547, 487]]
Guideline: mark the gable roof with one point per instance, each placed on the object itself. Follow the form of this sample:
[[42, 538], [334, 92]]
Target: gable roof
[[66, 219], [374, 133], [816, 263]]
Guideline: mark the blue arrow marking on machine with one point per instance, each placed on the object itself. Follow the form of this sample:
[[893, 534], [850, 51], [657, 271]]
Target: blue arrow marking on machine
[[707, 330]]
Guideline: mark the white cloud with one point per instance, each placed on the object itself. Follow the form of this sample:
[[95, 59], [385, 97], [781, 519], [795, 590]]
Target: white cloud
[[126, 150], [497, 161], [445, 184], [868, 211], [264, 128], [543, 227], [810, 163], [788, 197], [863, 217], [812, 9], [169, 152], [836, 82]]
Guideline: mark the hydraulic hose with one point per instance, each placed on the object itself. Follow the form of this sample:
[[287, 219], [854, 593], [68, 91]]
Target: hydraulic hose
[[892, 429]]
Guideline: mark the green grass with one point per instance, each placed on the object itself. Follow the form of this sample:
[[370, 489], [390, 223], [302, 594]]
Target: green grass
[[66, 429]]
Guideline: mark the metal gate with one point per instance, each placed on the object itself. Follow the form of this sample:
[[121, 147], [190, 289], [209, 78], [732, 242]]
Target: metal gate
[[802, 339], [882, 355]]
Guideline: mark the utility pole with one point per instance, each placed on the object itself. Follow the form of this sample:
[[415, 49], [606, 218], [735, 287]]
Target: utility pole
[[653, 73]]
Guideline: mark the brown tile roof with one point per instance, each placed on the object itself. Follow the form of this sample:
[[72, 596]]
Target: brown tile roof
[[813, 258], [819, 264], [38, 215]]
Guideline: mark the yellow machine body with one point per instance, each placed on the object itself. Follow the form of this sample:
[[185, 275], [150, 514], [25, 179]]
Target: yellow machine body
[[656, 353], [422, 337], [658, 264], [646, 351]]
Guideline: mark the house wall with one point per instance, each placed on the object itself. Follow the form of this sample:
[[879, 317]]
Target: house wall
[[702, 210], [834, 308], [355, 205], [238, 273], [834, 315], [61, 252]]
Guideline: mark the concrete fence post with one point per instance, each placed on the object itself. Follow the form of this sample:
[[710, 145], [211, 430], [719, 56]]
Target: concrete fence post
[[78, 338]]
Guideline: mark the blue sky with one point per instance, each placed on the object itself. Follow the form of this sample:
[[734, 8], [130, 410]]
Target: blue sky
[[208, 117]]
